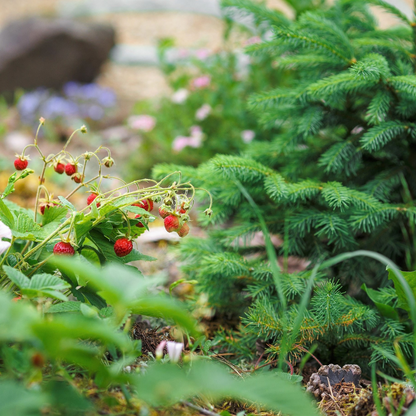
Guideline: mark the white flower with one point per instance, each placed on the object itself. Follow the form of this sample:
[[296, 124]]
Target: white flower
[[180, 96], [203, 112], [174, 350], [5, 232], [159, 350], [247, 135]]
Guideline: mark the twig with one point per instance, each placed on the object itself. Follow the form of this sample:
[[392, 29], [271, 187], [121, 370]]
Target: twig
[[333, 398], [200, 409], [233, 367], [304, 349]]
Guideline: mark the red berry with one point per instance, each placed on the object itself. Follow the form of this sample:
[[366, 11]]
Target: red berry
[[91, 198], [20, 164], [163, 212], [59, 168], [16, 299], [171, 223], [77, 178], [64, 248], [122, 247], [146, 204], [184, 230], [182, 211], [37, 360], [46, 205], [70, 169], [139, 224]]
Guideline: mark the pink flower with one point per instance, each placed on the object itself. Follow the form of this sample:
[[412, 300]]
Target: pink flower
[[202, 54], [159, 350], [180, 96], [179, 143], [183, 53], [247, 135], [252, 40], [196, 131], [195, 140], [201, 82], [203, 112], [142, 122]]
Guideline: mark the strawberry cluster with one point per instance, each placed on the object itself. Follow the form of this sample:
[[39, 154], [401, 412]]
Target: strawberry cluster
[[175, 220]]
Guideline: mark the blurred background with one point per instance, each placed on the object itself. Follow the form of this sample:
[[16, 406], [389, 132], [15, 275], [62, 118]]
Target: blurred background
[[157, 81]]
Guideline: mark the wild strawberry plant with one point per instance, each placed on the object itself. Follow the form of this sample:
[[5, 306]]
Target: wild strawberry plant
[[53, 343], [103, 229]]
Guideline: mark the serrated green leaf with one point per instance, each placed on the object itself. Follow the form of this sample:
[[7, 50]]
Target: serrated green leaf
[[66, 203], [54, 214], [47, 281], [65, 307], [26, 228], [17, 277]]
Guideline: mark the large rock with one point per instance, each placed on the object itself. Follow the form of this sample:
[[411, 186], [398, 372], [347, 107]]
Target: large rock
[[45, 52]]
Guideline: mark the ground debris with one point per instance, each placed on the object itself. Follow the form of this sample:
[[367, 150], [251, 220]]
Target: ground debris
[[342, 392], [150, 337]]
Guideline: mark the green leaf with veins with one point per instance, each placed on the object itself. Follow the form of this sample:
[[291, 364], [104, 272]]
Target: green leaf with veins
[[39, 285], [54, 214], [5, 215]]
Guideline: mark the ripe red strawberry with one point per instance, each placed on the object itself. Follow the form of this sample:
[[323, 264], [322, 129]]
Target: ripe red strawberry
[[163, 212], [91, 198], [37, 360], [70, 169], [77, 178], [21, 163], [139, 224], [59, 168], [184, 230], [63, 248], [146, 204], [123, 246], [182, 211], [46, 205], [171, 223]]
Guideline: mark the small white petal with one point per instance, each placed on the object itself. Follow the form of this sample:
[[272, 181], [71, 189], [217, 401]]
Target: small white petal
[[4, 245], [5, 231], [174, 350]]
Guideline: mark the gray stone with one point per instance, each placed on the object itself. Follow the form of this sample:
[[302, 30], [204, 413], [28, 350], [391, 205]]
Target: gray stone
[[91, 7], [45, 52]]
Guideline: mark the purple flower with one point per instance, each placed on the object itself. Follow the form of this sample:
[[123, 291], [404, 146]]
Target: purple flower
[[56, 107]]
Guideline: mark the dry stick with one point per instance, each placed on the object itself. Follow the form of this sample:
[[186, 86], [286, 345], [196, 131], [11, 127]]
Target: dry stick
[[305, 350], [333, 398], [200, 409]]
